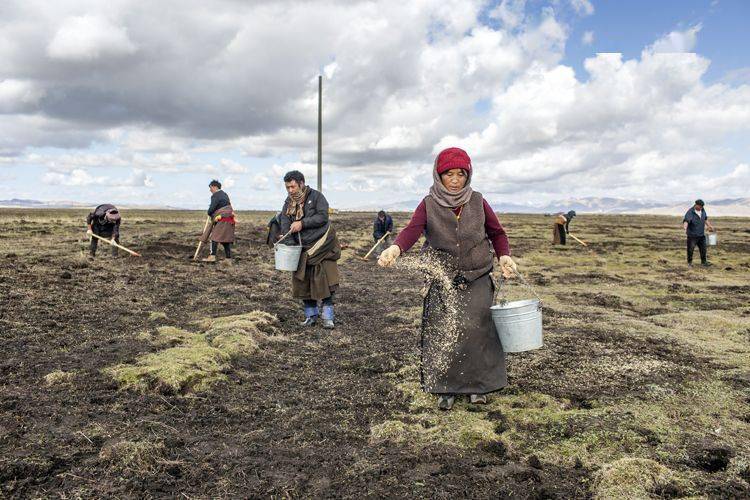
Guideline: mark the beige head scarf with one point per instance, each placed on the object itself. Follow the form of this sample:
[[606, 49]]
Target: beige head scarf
[[296, 208]]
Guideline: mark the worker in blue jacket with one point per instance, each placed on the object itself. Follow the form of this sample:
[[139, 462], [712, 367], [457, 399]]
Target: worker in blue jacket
[[383, 224], [695, 223]]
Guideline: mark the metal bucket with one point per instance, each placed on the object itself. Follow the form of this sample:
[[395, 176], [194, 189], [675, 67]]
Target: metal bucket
[[711, 239], [518, 324], [287, 256]]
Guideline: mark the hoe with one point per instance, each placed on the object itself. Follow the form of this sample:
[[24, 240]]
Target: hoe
[[115, 244], [375, 246]]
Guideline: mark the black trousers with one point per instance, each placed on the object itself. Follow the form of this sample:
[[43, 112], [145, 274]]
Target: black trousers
[[227, 248], [692, 241], [562, 233], [328, 301], [95, 243]]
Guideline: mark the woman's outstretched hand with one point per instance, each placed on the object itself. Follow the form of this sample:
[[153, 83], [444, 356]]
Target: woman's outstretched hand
[[389, 256], [507, 266]]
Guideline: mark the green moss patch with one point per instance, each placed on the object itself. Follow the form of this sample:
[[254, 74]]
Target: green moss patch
[[192, 361]]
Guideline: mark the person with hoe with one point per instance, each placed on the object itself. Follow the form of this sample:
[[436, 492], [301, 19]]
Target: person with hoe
[[382, 226], [104, 221], [221, 224], [694, 223], [562, 227], [463, 232], [304, 220]]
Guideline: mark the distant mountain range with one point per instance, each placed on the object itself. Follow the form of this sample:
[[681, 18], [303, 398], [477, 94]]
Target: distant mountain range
[[738, 207], [19, 203]]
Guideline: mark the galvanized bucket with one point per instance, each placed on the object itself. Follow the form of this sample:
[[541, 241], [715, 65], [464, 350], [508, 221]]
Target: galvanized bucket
[[518, 324], [711, 239], [287, 256]]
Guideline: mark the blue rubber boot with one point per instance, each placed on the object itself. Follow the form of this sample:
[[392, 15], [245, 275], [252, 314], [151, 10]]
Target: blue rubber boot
[[311, 315], [327, 316]]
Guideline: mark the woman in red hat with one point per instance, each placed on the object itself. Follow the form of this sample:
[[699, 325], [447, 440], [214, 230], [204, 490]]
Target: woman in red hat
[[465, 236]]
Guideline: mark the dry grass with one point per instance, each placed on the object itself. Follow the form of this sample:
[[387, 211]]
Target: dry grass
[[157, 316], [629, 478], [141, 457], [59, 378], [193, 361]]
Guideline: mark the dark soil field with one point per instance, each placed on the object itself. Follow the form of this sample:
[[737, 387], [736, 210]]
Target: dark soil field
[[164, 377]]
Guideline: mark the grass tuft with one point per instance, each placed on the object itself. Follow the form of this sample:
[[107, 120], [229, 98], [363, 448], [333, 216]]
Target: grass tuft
[[157, 316], [58, 377], [137, 456], [193, 361], [634, 478]]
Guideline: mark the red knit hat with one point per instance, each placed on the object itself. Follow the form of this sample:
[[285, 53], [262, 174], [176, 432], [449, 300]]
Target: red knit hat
[[452, 158]]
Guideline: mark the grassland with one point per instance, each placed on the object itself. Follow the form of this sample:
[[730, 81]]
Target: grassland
[[160, 376]]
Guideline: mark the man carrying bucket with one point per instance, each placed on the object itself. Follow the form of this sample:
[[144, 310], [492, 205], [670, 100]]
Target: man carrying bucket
[[305, 216], [694, 224], [463, 237]]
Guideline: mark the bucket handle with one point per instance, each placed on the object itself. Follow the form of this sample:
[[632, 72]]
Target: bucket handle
[[299, 239], [524, 283]]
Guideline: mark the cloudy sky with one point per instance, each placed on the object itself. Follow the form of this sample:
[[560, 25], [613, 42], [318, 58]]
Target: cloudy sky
[[138, 102]]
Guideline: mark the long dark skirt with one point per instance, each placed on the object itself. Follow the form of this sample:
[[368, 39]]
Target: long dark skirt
[[472, 360]]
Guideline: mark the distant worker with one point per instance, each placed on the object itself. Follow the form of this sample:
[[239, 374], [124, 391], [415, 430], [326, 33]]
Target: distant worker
[[305, 214], [383, 224], [694, 223], [221, 228], [562, 227], [104, 221]]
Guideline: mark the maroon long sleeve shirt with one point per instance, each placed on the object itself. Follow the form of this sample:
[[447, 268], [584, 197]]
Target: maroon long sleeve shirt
[[495, 232]]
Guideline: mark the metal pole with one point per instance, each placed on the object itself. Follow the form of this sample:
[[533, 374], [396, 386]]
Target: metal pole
[[320, 133]]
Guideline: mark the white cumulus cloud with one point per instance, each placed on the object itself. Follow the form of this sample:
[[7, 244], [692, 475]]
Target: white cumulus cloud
[[678, 41], [114, 85], [76, 177], [88, 37]]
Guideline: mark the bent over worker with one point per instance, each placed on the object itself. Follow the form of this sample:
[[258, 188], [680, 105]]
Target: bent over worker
[[463, 232], [562, 227], [104, 221], [305, 214], [382, 226], [221, 228]]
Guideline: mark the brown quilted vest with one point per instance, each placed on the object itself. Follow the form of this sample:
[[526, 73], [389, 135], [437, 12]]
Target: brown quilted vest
[[463, 242]]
